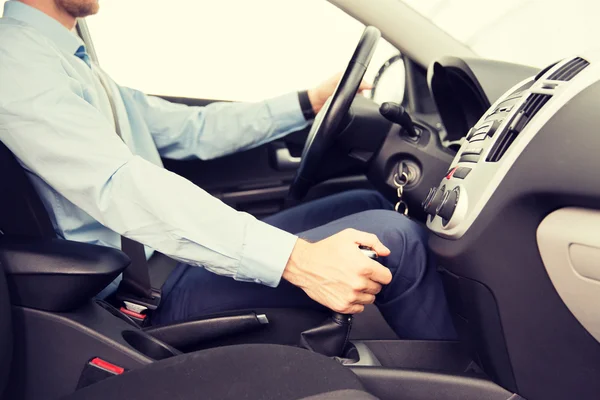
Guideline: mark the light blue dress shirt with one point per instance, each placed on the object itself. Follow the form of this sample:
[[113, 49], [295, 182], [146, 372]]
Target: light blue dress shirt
[[56, 118]]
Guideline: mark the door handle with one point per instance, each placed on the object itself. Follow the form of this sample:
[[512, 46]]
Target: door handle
[[285, 161]]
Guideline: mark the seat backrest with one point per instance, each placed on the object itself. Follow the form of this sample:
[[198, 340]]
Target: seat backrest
[[21, 214], [21, 210], [5, 333]]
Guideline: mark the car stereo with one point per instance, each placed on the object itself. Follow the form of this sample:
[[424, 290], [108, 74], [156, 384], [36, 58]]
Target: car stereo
[[492, 145]]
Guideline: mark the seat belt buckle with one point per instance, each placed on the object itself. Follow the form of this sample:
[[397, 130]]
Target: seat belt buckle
[[97, 370], [134, 311], [138, 308], [137, 303]]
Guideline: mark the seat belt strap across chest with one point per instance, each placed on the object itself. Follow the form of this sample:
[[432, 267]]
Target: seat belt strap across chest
[[135, 287]]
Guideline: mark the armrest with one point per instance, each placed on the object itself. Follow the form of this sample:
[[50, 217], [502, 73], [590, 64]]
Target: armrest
[[57, 275]]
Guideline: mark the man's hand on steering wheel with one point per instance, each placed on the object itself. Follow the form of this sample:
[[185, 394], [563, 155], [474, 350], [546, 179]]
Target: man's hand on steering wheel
[[318, 96]]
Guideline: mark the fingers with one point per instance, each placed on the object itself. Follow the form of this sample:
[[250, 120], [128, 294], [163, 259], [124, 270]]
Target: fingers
[[378, 273], [365, 285], [352, 302], [369, 240], [370, 287], [355, 309], [364, 85], [351, 309], [364, 298]]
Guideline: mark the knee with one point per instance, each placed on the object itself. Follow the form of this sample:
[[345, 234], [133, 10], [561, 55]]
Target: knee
[[406, 239], [393, 223]]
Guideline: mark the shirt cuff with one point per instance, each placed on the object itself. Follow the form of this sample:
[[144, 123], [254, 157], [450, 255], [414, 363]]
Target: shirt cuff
[[265, 254], [287, 113]]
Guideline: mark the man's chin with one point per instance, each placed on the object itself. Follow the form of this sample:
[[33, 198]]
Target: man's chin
[[80, 8]]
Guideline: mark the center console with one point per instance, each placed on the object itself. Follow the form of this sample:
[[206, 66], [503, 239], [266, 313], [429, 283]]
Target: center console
[[524, 183]]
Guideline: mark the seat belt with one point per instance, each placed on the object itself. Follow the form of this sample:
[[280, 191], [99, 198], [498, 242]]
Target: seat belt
[[135, 289]]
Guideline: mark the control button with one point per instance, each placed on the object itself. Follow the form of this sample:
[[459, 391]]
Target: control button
[[461, 173], [470, 158], [470, 133], [429, 197], [494, 127], [433, 200], [450, 172], [448, 205], [472, 150], [519, 122], [478, 137]]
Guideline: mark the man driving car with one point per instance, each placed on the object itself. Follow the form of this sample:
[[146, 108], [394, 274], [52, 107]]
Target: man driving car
[[93, 149]]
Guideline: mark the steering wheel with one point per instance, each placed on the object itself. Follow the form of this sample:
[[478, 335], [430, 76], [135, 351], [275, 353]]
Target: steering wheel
[[327, 123]]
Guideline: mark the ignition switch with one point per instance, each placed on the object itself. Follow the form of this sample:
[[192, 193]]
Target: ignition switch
[[407, 173]]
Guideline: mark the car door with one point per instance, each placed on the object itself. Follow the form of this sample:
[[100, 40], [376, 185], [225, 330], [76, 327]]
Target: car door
[[203, 51]]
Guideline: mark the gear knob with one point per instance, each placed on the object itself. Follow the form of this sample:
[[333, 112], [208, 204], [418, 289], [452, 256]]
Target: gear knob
[[331, 337], [367, 251]]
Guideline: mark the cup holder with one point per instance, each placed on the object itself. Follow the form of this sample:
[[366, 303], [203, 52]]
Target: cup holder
[[148, 345]]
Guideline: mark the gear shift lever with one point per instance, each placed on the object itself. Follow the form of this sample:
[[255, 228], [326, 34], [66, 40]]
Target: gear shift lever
[[331, 337]]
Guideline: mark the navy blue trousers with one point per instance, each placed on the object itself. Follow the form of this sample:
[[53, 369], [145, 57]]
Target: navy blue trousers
[[413, 304]]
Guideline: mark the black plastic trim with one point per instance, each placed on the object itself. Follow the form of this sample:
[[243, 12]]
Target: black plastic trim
[[398, 384], [464, 88], [57, 275], [422, 355]]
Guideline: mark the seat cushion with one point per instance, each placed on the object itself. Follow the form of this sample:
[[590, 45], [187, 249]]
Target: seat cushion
[[237, 372], [342, 395]]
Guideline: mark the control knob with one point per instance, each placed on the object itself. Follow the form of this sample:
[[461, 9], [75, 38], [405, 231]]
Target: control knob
[[433, 200], [448, 205]]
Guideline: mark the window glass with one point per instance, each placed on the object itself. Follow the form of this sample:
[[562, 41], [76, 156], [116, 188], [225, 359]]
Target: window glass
[[226, 49], [533, 32]]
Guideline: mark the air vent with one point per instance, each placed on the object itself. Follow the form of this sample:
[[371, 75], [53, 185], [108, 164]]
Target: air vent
[[569, 70], [533, 104]]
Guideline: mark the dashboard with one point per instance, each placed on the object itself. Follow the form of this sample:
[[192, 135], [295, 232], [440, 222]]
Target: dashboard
[[515, 230], [495, 141], [464, 88]]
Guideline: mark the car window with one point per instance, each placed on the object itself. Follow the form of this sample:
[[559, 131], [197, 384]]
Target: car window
[[533, 32], [227, 49]]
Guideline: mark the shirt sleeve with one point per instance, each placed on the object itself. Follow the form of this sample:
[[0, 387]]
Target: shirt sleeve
[[218, 129], [57, 135]]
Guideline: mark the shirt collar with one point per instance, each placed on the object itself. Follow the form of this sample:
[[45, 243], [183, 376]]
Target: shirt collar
[[66, 40]]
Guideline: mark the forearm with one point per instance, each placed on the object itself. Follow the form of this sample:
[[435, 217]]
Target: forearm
[[173, 216], [221, 128]]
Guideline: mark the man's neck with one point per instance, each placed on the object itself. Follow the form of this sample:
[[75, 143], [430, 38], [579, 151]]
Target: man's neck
[[51, 9]]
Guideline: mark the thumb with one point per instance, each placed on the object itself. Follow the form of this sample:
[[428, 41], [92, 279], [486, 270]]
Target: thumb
[[369, 240], [364, 85]]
